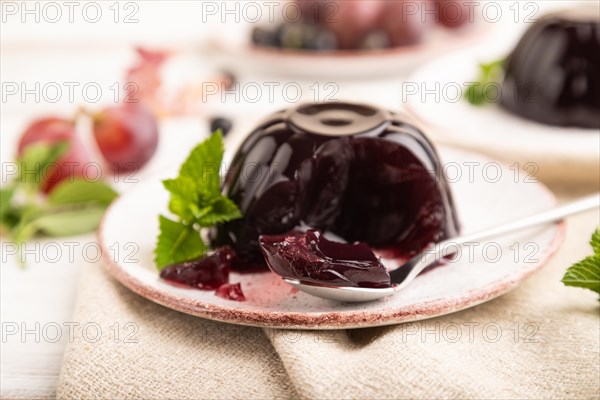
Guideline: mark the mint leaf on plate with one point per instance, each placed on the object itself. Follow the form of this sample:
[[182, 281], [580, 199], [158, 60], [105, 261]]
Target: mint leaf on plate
[[586, 273], [222, 209], [176, 242], [489, 73], [203, 164], [184, 195], [197, 201]]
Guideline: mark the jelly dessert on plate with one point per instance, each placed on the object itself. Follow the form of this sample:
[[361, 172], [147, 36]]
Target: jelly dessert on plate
[[367, 177], [361, 173]]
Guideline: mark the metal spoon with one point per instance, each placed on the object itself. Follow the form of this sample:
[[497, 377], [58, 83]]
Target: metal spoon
[[403, 276]]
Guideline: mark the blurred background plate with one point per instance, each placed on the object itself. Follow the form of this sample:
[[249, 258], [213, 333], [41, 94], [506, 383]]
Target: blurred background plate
[[548, 152], [349, 63]]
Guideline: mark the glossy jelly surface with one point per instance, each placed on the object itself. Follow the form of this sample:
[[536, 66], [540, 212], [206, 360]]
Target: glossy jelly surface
[[313, 258], [362, 173], [553, 74], [208, 272]]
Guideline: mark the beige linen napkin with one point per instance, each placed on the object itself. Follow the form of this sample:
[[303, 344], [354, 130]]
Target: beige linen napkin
[[541, 341]]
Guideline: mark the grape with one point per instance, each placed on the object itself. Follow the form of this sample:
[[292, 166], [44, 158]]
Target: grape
[[354, 20], [452, 13], [127, 136], [405, 21], [53, 130]]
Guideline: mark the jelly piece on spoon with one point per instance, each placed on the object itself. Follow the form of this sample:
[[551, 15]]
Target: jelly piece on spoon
[[208, 272], [312, 258]]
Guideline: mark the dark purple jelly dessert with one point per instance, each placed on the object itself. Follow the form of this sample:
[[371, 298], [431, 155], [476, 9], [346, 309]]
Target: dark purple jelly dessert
[[315, 259], [231, 291], [208, 272], [362, 173], [553, 75]]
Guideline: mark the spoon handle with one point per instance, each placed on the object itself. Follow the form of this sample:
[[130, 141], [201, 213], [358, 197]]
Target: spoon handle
[[404, 275]]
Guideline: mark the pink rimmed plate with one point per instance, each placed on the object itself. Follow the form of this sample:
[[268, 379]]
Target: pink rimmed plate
[[486, 193]]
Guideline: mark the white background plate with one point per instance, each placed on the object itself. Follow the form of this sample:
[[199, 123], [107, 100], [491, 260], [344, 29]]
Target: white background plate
[[351, 63], [554, 153], [481, 200]]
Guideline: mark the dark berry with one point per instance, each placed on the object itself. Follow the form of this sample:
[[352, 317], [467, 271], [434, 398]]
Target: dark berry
[[221, 123], [265, 37], [292, 36], [229, 78], [376, 40], [321, 40]]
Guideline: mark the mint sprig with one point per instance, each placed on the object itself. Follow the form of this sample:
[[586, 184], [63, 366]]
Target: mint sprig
[[197, 201], [73, 207], [177, 242], [492, 72], [36, 160], [586, 273]]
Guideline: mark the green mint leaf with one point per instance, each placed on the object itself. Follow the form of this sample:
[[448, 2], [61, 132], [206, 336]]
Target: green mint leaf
[[203, 164], [184, 193], [37, 158], [475, 94], [58, 222], [221, 209], [584, 274], [492, 72], [10, 214], [595, 242], [6, 195], [81, 191], [24, 229], [196, 199], [70, 222], [177, 242]]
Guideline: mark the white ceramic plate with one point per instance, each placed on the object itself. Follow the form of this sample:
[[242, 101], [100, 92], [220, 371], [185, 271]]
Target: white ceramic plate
[[352, 64], [131, 224], [550, 153]]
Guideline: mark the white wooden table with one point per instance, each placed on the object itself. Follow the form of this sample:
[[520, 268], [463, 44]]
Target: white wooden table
[[37, 301]]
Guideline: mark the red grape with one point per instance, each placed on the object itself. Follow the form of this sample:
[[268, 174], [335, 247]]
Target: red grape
[[127, 136], [406, 21], [349, 20], [53, 130], [452, 13]]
